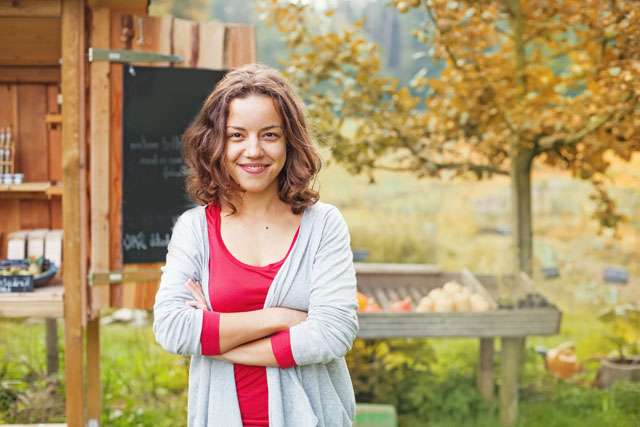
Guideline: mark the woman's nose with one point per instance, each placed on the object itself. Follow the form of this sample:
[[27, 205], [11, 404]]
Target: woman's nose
[[254, 147]]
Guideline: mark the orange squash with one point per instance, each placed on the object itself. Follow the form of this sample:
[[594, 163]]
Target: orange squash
[[362, 301]]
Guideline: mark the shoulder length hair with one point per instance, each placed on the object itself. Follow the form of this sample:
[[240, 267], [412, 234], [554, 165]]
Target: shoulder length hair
[[204, 141]]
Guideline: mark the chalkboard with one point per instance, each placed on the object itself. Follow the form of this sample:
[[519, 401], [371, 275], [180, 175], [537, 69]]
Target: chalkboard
[[158, 105]]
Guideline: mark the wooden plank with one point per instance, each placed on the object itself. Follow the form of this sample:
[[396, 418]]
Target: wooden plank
[[9, 222], [31, 8], [51, 328], [404, 269], [484, 379], [34, 214], [94, 385], [186, 35], [239, 45], [153, 34], [54, 136], [115, 153], [50, 74], [29, 41], [99, 152], [131, 6], [509, 369], [74, 254], [32, 157], [211, 45], [46, 302], [506, 323]]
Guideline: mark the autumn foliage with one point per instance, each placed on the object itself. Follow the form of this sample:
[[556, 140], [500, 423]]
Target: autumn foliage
[[550, 81]]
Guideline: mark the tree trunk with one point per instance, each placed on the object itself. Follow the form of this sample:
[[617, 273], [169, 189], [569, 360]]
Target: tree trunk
[[521, 161], [521, 153]]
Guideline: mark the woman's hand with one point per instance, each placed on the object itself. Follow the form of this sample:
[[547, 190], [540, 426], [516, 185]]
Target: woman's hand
[[195, 289]]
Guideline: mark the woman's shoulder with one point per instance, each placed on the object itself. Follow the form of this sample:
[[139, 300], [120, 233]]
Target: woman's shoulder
[[322, 211], [193, 217]]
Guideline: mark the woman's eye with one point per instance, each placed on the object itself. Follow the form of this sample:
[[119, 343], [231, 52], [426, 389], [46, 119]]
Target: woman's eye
[[235, 135], [271, 135]]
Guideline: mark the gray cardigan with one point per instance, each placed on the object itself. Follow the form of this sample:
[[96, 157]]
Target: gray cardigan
[[317, 277]]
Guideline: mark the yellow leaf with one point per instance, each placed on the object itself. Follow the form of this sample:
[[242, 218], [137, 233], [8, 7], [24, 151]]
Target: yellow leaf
[[329, 13]]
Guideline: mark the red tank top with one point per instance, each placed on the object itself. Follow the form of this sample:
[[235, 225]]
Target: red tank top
[[234, 287]]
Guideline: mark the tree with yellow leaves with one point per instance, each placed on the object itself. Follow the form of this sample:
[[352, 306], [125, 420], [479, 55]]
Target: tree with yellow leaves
[[558, 82]]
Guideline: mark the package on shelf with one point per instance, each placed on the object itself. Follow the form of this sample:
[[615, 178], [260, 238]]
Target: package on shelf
[[17, 244], [53, 247], [35, 242]]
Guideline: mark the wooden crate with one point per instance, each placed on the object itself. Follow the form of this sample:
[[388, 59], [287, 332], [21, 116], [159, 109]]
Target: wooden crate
[[387, 283]]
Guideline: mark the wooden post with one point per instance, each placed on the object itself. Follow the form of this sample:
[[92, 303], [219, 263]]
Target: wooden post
[[99, 113], [509, 370], [51, 327], [74, 205], [484, 380]]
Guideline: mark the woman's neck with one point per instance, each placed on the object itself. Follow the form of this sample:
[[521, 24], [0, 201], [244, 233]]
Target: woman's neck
[[258, 204]]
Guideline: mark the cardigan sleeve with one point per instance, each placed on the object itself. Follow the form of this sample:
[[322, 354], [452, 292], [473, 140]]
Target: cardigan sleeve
[[176, 325], [332, 322]]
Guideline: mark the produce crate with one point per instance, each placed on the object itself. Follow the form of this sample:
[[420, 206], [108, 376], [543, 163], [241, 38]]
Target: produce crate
[[386, 283]]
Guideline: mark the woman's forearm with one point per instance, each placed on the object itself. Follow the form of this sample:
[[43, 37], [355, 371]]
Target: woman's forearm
[[239, 328], [255, 353]]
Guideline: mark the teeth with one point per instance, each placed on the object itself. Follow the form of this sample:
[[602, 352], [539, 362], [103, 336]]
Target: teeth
[[254, 167]]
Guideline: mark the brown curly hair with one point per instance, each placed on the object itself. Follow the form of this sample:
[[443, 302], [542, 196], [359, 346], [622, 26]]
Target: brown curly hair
[[204, 141]]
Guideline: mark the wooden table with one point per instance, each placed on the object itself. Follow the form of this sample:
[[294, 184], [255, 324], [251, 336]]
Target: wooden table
[[391, 281], [46, 302]]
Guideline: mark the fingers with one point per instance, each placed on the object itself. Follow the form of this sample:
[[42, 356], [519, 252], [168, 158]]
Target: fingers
[[195, 289]]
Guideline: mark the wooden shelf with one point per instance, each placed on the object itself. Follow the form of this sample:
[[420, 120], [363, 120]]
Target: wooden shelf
[[44, 302], [30, 190]]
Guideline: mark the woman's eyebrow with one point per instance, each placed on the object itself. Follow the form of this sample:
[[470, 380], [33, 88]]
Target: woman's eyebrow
[[263, 129]]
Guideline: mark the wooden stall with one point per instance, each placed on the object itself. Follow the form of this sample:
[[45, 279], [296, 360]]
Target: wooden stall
[[63, 68], [386, 283]]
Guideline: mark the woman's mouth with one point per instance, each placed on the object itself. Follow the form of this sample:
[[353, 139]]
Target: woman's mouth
[[253, 168]]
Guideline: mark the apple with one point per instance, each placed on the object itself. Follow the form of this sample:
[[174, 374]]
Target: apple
[[402, 306], [372, 307]]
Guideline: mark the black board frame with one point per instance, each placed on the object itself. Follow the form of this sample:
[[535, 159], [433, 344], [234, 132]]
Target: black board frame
[[158, 104]]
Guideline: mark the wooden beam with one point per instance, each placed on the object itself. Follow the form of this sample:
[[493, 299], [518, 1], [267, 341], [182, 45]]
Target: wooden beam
[[29, 41], [50, 74], [509, 373], [130, 6], [74, 202], [31, 8], [99, 161], [94, 385], [484, 380], [211, 49], [51, 327], [239, 45]]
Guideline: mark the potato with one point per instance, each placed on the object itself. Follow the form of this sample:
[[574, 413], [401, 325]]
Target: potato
[[461, 301], [443, 304], [425, 305], [451, 288], [479, 303]]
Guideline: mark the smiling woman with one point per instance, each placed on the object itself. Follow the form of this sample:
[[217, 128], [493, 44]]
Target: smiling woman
[[259, 284]]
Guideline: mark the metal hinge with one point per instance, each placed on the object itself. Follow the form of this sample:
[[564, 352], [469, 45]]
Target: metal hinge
[[118, 55], [121, 276]]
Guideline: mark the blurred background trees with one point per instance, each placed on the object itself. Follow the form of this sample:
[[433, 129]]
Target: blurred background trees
[[556, 82]]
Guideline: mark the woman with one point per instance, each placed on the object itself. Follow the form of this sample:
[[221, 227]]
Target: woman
[[259, 285]]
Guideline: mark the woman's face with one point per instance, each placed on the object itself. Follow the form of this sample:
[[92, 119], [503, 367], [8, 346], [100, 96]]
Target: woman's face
[[256, 148]]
